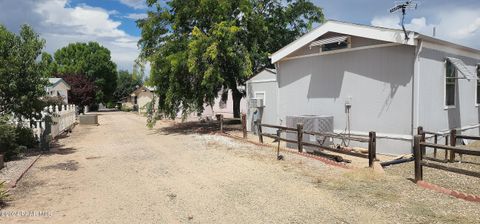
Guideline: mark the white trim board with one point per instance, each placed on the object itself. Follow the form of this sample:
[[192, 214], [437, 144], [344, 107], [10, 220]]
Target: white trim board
[[379, 135], [342, 51], [264, 96], [264, 80], [372, 32], [383, 34]]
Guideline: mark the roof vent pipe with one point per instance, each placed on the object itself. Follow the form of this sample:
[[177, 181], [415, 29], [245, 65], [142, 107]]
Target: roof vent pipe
[[434, 31]]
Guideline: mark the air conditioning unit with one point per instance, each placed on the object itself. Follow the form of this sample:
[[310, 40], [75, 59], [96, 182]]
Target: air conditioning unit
[[312, 123], [255, 103]]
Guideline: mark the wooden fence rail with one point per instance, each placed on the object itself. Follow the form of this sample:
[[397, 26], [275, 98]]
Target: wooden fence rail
[[452, 136], [371, 140], [435, 135], [419, 149]]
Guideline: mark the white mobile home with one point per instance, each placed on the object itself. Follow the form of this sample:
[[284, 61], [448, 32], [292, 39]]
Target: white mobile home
[[389, 83]]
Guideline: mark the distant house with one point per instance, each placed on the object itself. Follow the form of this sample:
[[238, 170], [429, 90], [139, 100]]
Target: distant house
[[386, 82], [57, 87], [224, 107], [139, 98]]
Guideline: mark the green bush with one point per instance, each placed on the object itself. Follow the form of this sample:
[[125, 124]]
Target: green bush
[[126, 109], [111, 105], [53, 101], [93, 107], [14, 140], [8, 141], [25, 137]]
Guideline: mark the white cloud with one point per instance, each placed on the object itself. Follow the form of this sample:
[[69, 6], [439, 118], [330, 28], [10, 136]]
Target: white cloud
[[136, 16], [136, 4], [60, 24], [458, 25]]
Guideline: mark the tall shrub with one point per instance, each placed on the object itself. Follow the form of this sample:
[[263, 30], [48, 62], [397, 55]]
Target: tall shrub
[[22, 76]]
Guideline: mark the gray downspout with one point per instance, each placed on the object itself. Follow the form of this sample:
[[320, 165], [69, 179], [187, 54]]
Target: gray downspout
[[416, 88]]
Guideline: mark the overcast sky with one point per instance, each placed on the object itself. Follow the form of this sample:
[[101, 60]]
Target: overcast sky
[[112, 22]]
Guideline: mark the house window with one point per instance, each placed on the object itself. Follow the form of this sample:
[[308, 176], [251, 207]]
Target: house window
[[260, 95], [332, 43], [335, 46], [478, 84], [450, 83]]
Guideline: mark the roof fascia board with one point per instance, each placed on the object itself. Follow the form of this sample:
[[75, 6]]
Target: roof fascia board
[[263, 70], [449, 47], [388, 35], [60, 81]]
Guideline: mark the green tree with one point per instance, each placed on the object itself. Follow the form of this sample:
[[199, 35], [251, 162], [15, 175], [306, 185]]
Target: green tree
[[95, 62], [22, 77], [47, 62], [127, 83], [198, 47]]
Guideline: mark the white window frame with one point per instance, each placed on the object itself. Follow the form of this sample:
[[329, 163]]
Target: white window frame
[[264, 96], [446, 107]]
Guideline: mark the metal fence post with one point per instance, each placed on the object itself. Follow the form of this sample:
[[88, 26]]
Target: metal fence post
[[417, 151], [372, 148], [300, 137]]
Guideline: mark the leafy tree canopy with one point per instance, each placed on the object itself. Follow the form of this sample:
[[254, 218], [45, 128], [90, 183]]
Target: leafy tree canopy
[[51, 67], [199, 47], [127, 83], [92, 60], [82, 89], [22, 77]]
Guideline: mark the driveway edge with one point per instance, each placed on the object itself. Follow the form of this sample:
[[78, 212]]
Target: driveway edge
[[13, 183]]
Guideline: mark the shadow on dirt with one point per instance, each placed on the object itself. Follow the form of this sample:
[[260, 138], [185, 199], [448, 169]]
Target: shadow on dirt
[[199, 127], [70, 165], [60, 150]]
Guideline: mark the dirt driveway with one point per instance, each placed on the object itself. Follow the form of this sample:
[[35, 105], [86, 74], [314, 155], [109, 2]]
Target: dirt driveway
[[122, 172]]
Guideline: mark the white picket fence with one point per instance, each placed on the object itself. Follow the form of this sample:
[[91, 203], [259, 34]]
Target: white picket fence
[[62, 119]]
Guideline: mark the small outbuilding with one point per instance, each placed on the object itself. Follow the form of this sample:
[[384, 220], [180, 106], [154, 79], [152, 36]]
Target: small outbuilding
[[262, 91], [139, 99]]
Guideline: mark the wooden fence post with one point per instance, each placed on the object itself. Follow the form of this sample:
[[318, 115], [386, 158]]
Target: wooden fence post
[[453, 142], [422, 134], [259, 131], [221, 123], [446, 151], [372, 148], [244, 125], [300, 137], [435, 140], [417, 152]]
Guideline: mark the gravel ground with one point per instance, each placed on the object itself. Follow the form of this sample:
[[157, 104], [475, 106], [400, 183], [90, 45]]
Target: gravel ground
[[121, 172], [14, 168], [442, 178]]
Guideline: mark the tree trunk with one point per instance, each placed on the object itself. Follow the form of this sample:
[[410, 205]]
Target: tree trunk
[[236, 97]]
